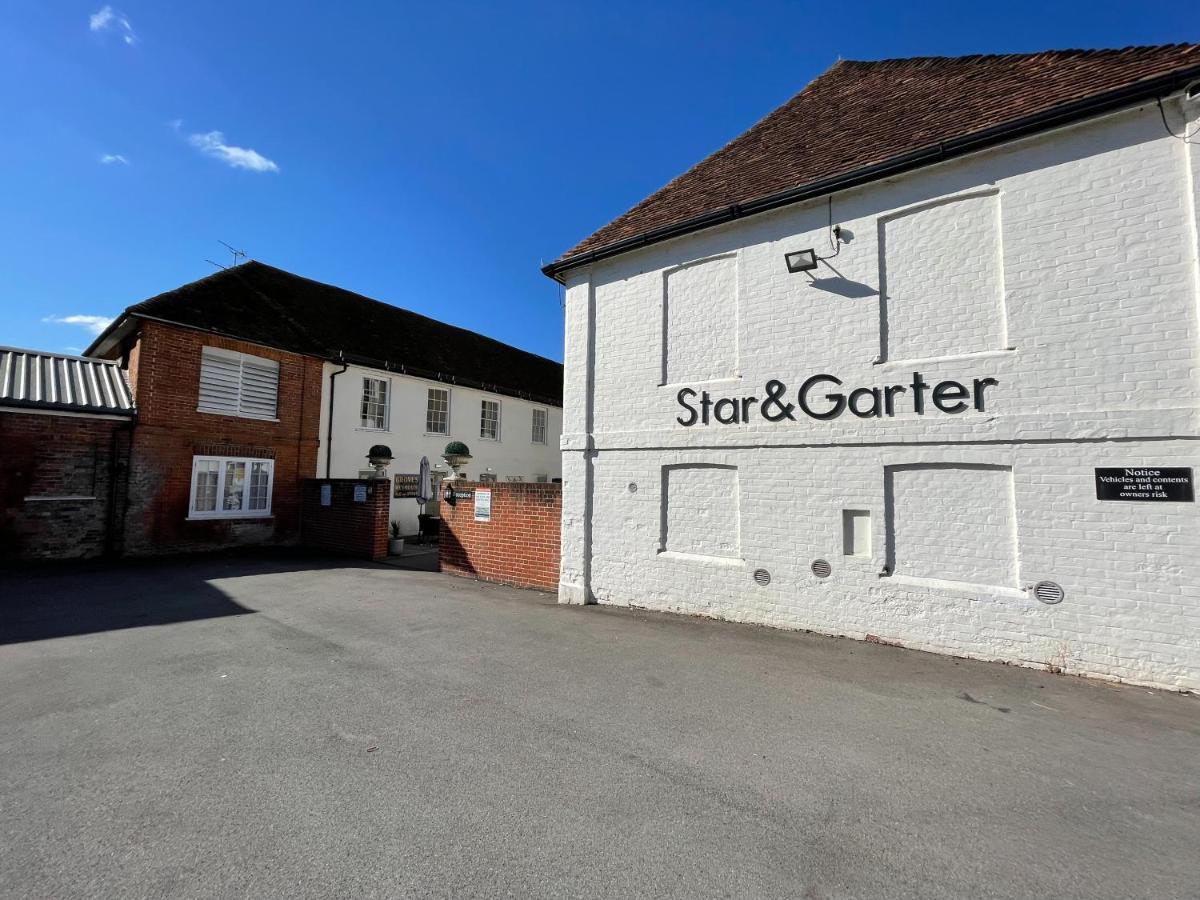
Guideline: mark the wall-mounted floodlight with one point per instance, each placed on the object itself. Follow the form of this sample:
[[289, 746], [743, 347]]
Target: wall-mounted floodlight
[[801, 260]]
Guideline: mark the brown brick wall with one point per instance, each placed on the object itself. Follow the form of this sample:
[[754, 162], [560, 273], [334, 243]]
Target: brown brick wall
[[165, 367], [344, 526], [519, 546], [49, 456]]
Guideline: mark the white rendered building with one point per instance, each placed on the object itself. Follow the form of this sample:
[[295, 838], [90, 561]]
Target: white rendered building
[[967, 421], [510, 438]]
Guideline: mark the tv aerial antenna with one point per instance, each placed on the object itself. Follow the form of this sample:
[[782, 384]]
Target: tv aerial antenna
[[238, 256]]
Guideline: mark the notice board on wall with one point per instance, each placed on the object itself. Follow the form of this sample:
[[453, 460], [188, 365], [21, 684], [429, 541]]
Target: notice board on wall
[[483, 506], [1153, 483]]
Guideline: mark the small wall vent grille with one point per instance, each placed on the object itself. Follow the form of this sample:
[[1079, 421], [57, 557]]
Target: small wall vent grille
[[762, 577], [1049, 592], [821, 568]]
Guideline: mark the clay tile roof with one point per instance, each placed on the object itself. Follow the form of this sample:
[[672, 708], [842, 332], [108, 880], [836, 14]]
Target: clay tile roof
[[859, 114]]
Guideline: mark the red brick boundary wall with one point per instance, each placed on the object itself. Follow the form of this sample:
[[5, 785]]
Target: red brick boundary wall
[[519, 546], [62, 485], [354, 527]]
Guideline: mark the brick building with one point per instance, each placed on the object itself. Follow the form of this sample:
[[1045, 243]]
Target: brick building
[[65, 426], [913, 359], [234, 376], [226, 431]]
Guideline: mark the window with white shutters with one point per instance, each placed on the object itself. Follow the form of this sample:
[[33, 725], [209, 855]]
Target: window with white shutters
[[237, 384], [228, 488]]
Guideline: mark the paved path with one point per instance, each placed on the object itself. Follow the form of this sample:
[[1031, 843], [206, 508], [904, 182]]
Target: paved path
[[234, 728]]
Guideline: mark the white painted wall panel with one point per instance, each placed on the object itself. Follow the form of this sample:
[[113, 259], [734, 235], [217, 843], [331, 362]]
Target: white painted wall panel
[[951, 522]]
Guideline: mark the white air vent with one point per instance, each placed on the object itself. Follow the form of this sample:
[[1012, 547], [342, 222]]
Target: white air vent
[[1048, 592], [821, 568], [762, 576]]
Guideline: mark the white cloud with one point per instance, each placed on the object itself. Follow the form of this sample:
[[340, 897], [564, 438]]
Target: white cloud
[[213, 144], [94, 324], [109, 158], [107, 18]]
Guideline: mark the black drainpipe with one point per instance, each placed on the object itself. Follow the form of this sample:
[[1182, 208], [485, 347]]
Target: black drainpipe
[[119, 473], [329, 435]]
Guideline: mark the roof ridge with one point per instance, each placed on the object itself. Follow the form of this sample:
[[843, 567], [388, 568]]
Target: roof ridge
[[988, 57]]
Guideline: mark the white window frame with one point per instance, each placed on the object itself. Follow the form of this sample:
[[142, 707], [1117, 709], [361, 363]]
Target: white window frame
[[387, 405], [487, 477], [245, 512], [428, 398], [241, 359], [499, 413], [545, 425]]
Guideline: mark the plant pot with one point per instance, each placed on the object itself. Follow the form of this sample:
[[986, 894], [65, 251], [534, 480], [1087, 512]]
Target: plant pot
[[395, 546]]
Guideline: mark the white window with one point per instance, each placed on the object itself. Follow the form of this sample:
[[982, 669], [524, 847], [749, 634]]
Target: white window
[[514, 477], [237, 384], [375, 404], [437, 412], [541, 479], [489, 420], [487, 477], [539, 426], [227, 488]]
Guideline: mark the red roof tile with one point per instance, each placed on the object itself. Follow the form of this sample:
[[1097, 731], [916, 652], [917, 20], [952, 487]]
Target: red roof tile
[[859, 114]]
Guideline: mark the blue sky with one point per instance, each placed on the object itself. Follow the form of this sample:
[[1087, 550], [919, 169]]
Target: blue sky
[[430, 155]]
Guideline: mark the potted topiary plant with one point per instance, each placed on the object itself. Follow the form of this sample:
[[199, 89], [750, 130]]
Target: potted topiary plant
[[456, 456], [396, 544]]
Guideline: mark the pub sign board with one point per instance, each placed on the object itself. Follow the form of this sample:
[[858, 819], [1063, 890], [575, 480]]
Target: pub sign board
[[1154, 483], [406, 486]]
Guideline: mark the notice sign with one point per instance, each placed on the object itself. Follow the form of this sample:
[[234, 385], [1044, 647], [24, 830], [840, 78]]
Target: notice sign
[[406, 486], [1145, 483], [483, 506], [326, 494], [360, 493]]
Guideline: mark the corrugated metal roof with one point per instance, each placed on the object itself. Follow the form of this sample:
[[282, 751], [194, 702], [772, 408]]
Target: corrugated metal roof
[[35, 380]]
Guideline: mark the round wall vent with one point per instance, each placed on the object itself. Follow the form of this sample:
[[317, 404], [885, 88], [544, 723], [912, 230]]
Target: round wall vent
[[821, 568], [1049, 592], [632, 487], [762, 576]]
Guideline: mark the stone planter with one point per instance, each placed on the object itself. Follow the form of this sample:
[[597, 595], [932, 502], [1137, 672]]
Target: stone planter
[[395, 546]]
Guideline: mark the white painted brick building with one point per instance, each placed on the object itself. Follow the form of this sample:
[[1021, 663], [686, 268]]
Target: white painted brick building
[[1054, 264]]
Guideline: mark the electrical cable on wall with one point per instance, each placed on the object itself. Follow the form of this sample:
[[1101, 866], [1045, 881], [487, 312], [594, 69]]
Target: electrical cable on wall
[[1185, 137]]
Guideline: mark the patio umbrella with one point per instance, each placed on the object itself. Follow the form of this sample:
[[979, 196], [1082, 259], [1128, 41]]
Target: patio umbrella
[[424, 484]]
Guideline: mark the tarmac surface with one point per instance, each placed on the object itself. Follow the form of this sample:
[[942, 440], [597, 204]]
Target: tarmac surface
[[259, 727]]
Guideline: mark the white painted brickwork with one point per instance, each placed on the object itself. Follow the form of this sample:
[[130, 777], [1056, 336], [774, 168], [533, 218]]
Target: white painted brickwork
[[1091, 234], [695, 298], [951, 522], [941, 276], [700, 511]]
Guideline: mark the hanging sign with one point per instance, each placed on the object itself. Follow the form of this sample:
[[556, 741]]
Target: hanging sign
[[483, 506], [1146, 483]]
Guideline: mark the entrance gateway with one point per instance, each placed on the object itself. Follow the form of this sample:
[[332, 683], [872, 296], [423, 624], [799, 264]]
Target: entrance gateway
[[864, 402]]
